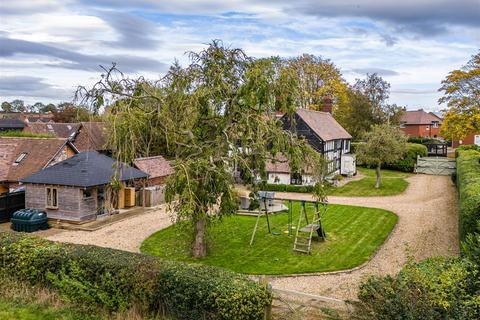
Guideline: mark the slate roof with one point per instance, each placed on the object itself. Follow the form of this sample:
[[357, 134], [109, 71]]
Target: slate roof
[[59, 130], [86, 169], [323, 124], [7, 124], [419, 117], [39, 152], [155, 167]]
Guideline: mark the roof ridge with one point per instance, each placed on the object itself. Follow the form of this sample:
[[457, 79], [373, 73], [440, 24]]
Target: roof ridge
[[33, 138], [152, 157], [317, 111]]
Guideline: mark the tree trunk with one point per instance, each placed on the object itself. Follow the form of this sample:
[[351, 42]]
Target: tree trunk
[[379, 178], [199, 244]]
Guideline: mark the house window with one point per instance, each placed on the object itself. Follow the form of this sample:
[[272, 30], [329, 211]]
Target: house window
[[87, 193], [296, 178], [402, 124], [435, 124], [427, 128], [52, 198]]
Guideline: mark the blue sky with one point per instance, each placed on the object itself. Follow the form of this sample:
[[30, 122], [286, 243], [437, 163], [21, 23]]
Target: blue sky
[[49, 47]]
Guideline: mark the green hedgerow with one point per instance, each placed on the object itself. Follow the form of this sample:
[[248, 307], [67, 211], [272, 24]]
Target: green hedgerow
[[118, 280], [408, 161], [468, 183]]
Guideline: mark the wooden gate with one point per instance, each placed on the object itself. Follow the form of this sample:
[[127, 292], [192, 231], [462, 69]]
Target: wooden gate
[[9, 203], [435, 165]]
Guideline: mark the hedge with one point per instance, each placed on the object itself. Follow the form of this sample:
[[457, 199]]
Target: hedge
[[421, 140], [436, 288], [409, 160], [118, 280], [287, 188], [468, 183], [466, 147]]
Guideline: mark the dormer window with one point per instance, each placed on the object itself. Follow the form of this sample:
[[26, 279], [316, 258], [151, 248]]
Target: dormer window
[[435, 124], [20, 158]]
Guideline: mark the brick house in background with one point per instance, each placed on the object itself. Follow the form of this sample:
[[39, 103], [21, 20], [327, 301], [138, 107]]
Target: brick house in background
[[473, 138], [419, 123], [20, 157]]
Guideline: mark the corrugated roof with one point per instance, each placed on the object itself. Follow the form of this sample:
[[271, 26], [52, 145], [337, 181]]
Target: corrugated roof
[[155, 167], [419, 117], [38, 153], [323, 124], [86, 169]]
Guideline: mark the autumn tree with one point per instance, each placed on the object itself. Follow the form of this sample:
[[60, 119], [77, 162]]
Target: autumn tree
[[210, 117], [461, 93], [383, 144], [315, 79], [68, 112], [366, 104]]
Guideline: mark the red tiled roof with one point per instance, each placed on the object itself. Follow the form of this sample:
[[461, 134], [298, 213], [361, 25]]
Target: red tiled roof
[[280, 165], [323, 124], [154, 166], [419, 117], [38, 153], [58, 130], [91, 136]]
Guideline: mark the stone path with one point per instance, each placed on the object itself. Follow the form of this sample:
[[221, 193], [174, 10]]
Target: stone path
[[125, 235]]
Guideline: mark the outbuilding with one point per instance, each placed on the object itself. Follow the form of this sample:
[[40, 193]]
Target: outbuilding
[[83, 187]]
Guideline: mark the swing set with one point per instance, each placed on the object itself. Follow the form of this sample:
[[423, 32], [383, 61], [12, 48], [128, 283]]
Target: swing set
[[304, 230]]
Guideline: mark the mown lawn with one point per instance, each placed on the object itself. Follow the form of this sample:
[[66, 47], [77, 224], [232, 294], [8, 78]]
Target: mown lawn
[[393, 182], [353, 235]]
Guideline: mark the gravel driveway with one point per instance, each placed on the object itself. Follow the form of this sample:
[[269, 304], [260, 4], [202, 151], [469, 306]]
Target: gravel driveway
[[125, 235], [427, 226]]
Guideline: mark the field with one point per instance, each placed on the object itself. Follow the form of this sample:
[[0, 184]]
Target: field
[[353, 235]]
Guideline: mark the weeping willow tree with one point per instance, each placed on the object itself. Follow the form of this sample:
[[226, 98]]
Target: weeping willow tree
[[210, 117]]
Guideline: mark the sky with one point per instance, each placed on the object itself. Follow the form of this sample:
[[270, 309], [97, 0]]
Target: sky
[[49, 47]]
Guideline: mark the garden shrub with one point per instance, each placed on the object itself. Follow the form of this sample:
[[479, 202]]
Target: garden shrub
[[466, 147], [422, 140], [287, 188], [436, 288], [409, 160], [117, 280], [468, 183]]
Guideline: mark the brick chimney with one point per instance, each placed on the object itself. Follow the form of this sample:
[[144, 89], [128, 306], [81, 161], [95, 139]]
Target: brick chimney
[[327, 105]]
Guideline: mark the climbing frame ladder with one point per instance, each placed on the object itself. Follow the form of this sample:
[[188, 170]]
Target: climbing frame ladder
[[303, 237]]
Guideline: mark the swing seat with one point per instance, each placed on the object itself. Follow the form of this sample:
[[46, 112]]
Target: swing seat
[[309, 227]]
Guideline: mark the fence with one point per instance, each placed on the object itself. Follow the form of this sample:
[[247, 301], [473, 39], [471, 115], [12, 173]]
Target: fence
[[9, 203], [437, 150]]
